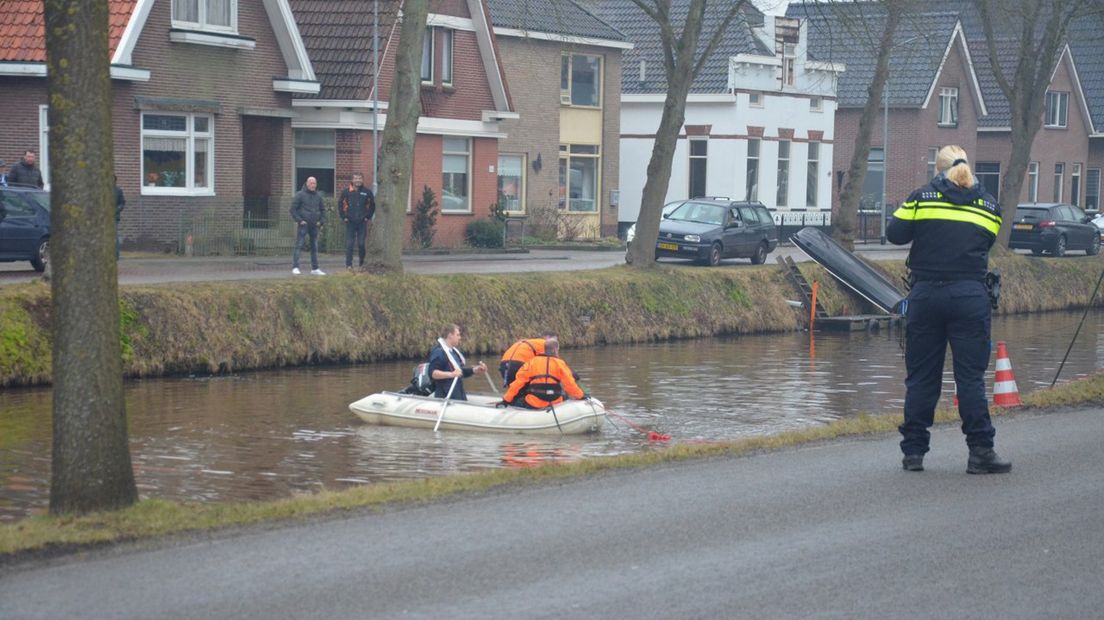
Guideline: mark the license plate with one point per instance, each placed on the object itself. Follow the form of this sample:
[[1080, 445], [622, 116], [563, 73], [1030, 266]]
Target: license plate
[[669, 246], [1022, 226]]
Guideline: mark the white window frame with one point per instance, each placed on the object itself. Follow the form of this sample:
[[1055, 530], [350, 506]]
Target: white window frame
[[1033, 182], [190, 136], [568, 152], [448, 41], [1091, 175], [1075, 185], [812, 175], [816, 104], [948, 107], [1057, 110], [521, 182], [201, 20], [782, 187], [690, 157], [1059, 180], [44, 144], [566, 94], [328, 148], [789, 71], [755, 100], [429, 56], [468, 174], [933, 154], [751, 192]]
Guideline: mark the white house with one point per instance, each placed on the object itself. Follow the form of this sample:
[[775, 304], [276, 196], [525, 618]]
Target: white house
[[759, 124]]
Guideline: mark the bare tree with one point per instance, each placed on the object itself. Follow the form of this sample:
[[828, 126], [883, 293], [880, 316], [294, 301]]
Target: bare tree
[[683, 57], [91, 468], [1032, 33], [397, 145]]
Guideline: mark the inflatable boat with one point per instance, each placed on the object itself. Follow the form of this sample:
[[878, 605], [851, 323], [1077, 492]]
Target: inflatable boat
[[479, 413]]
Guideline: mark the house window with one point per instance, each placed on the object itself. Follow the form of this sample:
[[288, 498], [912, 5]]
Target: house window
[[427, 56], [44, 144], [1059, 180], [1057, 109], [511, 182], [454, 171], [315, 154], [1092, 189], [1033, 182], [752, 190], [755, 100], [446, 56], [872, 184], [221, 15], [988, 174], [1075, 185], [177, 153], [699, 153], [783, 178], [580, 80], [579, 177], [816, 104], [788, 74], [932, 154], [812, 175], [948, 107]]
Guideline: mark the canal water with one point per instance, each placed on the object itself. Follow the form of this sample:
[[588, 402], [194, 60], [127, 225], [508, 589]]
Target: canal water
[[269, 434]]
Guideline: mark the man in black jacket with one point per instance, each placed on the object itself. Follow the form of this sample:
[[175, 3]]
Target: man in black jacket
[[24, 172], [357, 206], [309, 213]]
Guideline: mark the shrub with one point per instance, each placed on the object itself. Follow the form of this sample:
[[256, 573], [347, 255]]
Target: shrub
[[425, 218], [486, 233]]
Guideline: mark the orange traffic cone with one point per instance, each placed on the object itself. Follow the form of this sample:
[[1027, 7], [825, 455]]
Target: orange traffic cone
[[1005, 392]]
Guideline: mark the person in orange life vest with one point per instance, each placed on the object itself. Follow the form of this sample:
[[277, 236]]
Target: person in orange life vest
[[517, 354], [543, 381]]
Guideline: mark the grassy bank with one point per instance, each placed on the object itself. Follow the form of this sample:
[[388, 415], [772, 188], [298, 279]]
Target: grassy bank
[[226, 326], [151, 518]]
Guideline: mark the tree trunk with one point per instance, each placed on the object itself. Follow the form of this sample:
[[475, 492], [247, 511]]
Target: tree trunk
[[91, 468], [397, 144], [843, 229]]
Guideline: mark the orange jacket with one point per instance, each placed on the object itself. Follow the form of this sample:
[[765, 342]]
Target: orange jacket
[[541, 370], [524, 350]]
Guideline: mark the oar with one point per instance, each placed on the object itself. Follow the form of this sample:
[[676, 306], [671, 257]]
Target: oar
[[493, 386], [452, 362]]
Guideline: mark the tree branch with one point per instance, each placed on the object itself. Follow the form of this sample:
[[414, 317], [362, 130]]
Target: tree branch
[[717, 34]]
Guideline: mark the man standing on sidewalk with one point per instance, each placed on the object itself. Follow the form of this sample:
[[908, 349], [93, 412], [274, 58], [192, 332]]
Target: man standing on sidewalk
[[24, 172], [309, 213], [357, 207]]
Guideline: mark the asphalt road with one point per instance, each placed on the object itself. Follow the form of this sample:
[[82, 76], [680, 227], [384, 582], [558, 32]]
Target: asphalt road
[[133, 270], [832, 530]]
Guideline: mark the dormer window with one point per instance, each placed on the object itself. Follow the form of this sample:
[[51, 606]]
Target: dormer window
[[217, 15], [948, 107], [789, 52]]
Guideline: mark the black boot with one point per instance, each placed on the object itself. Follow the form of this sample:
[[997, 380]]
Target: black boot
[[986, 461], [913, 462]]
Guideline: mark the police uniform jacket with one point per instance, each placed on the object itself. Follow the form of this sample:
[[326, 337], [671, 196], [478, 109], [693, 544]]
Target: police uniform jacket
[[951, 229]]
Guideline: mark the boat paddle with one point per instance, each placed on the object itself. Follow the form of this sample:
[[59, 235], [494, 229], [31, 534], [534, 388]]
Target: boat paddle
[[448, 397]]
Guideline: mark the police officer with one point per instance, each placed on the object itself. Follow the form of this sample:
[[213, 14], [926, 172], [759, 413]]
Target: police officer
[[952, 222]]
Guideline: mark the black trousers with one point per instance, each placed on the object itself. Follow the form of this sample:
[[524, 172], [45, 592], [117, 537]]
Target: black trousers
[[942, 313], [355, 233]]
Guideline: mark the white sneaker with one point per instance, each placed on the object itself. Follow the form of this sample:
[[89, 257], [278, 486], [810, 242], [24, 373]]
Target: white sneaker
[[317, 272], [295, 271]]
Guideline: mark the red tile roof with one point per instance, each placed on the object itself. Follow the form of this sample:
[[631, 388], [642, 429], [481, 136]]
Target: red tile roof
[[23, 37]]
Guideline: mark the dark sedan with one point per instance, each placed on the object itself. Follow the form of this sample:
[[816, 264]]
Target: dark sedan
[[25, 227], [1053, 228], [708, 230]]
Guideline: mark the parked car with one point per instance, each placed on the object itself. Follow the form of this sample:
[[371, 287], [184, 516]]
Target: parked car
[[25, 228], [710, 229], [1054, 228], [1098, 221], [630, 234]]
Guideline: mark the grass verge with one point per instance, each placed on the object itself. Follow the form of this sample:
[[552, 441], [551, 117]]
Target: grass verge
[[153, 518]]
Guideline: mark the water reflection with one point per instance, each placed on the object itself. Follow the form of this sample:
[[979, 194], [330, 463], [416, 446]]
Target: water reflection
[[270, 434]]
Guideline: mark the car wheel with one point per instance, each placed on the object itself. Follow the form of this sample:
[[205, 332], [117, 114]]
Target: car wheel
[[42, 256], [715, 255], [1094, 247], [1060, 246], [760, 255]]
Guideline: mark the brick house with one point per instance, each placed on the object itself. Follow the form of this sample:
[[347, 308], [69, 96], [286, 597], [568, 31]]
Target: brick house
[[758, 117], [199, 88], [464, 98], [942, 91], [558, 164]]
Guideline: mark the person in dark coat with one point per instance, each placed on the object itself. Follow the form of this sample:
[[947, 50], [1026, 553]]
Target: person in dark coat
[[951, 222], [120, 204], [446, 365], [357, 207], [309, 213], [24, 172]]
